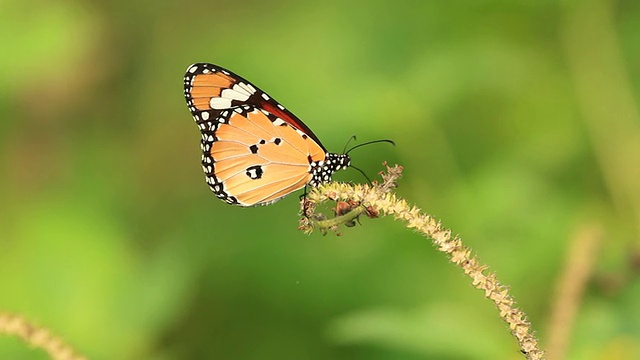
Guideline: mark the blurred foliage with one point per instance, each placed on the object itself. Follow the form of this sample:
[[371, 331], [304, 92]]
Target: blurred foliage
[[516, 123]]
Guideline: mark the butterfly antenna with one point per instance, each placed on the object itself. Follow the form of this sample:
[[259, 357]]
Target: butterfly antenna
[[362, 172], [353, 137], [369, 143]]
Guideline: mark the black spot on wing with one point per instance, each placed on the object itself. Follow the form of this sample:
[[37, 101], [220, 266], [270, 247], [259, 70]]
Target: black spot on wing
[[254, 172]]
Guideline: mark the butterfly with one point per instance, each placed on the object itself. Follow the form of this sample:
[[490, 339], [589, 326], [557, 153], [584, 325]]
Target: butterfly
[[254, 151]]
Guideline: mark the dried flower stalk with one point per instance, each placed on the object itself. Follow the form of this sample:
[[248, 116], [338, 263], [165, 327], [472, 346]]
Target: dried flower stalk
[[38, 337], [378, 199]]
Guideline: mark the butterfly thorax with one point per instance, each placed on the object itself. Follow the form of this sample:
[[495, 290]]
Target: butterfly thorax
[[321, 171]]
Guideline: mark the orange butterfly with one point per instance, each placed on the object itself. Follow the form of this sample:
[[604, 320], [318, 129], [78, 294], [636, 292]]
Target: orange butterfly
[[254, 151]]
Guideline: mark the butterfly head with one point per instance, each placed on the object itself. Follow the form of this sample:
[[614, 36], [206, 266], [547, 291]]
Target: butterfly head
[[321, 171]]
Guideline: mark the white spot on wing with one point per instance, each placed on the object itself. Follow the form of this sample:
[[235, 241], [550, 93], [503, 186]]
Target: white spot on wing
[[205, 115], [193, 69], [234, 94], [243, 87], [220, 103]]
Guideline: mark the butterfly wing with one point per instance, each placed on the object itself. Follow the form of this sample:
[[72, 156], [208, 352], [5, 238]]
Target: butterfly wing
[[210, 88], [254, 151]]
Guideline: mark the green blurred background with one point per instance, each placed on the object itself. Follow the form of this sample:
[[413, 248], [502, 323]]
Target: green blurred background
[[517, 123]]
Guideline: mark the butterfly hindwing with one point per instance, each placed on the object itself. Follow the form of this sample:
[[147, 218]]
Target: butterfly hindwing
[[250, 159]]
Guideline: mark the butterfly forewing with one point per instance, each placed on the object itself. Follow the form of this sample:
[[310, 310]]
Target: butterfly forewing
[[212, 88]]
